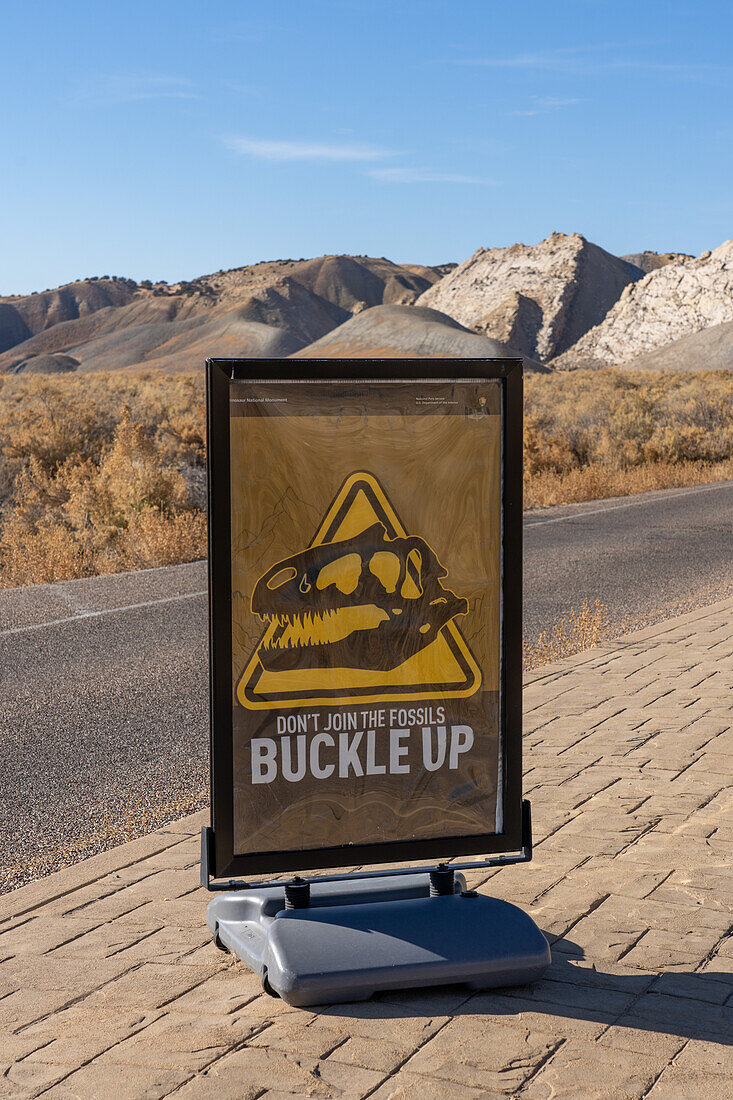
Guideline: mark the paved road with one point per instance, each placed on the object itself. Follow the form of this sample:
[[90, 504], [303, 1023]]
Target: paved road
[[104, 681], [104, 690], [647, 557]]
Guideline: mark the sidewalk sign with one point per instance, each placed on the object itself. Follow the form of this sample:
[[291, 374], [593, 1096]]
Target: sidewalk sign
[[365, 558]]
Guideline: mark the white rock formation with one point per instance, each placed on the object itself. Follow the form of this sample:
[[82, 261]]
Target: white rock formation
[[669, 303], [539, 298]]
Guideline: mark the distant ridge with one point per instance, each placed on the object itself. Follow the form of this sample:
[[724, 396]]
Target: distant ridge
[[388, 332], [564, 302], [270, 308]]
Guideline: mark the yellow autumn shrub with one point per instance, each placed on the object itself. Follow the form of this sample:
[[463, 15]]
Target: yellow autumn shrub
[[592, 434], [99, 473], [106, 472]]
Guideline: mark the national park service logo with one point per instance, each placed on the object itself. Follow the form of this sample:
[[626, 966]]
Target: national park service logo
[[361, 616]]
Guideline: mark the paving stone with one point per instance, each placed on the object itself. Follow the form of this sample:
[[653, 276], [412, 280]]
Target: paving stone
[[110, 984], [280, 1071], [15, 1047], [595, 1073], [107, 887], [178, 913], [663, 950], [409, 1086], [436, 1001], [582, 973], [150, 985], [225, 992], [604, 1001], [183, 856], [711, 1059], [664, 916], [25, 1006], [402, 1024], [680, 1084], [60, 974], [111, 940], [514, 1010], [64, 883], [602, 876], [680, 1016], [603, 940], [97, 1082], [210, 1085], [717, 966], [554, 923], [178, 1041], [462, 1054], [72, 1051], [166, 945], [680, 890], [716, 988], [32, 1077], [642, 1040], [291, 1035], [377, 1054], [40, 934]]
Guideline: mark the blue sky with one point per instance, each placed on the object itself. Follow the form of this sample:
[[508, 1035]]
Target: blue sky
[[167, 140]]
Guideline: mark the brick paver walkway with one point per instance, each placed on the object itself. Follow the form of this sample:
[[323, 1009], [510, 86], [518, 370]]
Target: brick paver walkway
[[110, 987]]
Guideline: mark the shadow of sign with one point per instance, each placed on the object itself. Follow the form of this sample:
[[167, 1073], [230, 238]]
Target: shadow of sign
[[686, 1004]]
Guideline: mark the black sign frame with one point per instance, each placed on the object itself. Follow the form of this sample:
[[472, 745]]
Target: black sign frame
[[221, 859]]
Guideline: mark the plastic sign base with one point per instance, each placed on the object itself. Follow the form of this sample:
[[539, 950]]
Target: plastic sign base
[[358, 937]]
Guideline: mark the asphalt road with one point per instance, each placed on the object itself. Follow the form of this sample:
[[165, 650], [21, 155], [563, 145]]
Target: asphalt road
[[647, 557], [104, 681]]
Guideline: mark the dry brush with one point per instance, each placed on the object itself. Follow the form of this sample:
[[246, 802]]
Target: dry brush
[[105, 472]]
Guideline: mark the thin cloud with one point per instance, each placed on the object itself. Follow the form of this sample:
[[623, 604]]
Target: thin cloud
[[423, 175], [542, 105], [586, 60], [114, 88], [305, 150], [562, 59]]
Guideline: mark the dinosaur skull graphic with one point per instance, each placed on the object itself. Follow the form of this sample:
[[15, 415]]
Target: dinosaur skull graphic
[[368, 602]]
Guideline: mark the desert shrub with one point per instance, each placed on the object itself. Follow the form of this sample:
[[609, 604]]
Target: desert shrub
[[105, 472], [99, 473], [572, 633], [591, 434]]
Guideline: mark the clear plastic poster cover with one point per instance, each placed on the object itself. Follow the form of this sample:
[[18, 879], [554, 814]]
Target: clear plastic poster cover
[[366, 567]]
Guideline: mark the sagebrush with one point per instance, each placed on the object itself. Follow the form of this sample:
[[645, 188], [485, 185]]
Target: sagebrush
[[105, 472], [99, 473], [594, 434]]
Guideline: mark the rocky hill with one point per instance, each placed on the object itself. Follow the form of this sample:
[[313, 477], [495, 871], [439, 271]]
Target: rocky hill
[[674, 301], [389, 332], [23, 316], [564, 302], [709, 349], [540, 298], [650, 261], [271, 308]]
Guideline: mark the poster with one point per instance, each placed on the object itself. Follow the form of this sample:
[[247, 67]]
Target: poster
[[365, 556]]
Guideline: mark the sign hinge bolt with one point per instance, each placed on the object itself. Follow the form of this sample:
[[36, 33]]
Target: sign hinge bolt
[[297, 894], [442, 881]]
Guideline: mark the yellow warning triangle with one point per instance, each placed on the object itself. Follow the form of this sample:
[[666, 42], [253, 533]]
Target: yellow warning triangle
[[444, 669]]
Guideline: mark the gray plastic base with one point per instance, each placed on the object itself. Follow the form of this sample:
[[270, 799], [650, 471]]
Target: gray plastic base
[[365, 935]]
